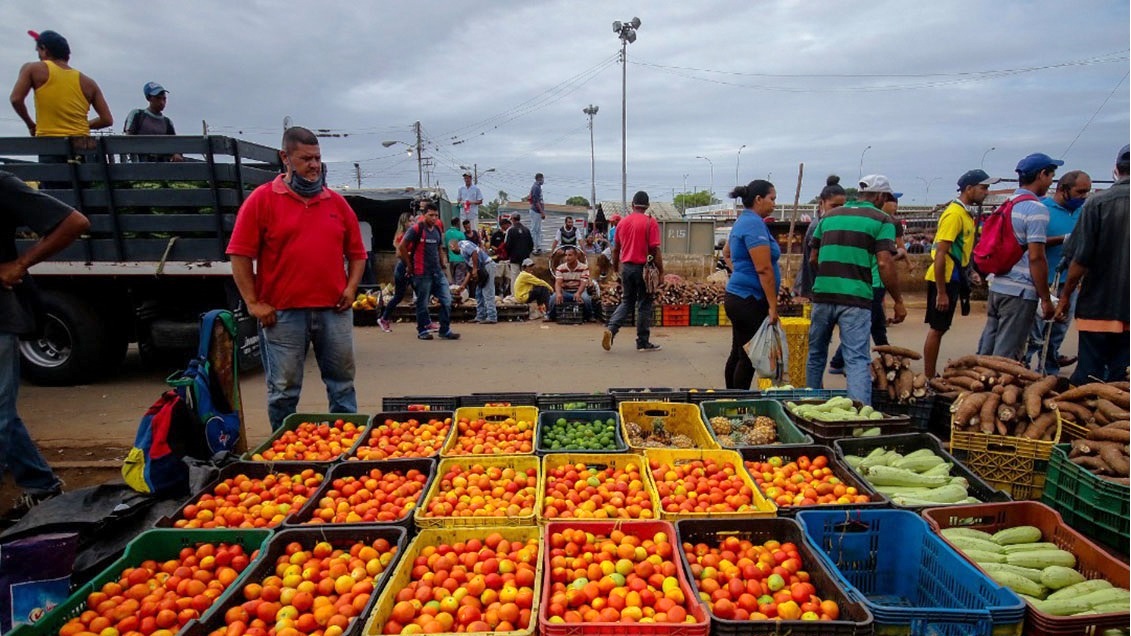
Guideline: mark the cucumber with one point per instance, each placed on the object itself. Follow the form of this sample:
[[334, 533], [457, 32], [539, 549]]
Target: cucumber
[[1104, 597], [1041, 559], [1025, 547], [853, 460], [941, 470], [888, 476], [1029, 573], [918, 464], [1057, 576], [1019, 534], [1061, 607], [1110, 608], [980, 556], [972, 543], [1072, 591], [1019, 584], [968, 532]]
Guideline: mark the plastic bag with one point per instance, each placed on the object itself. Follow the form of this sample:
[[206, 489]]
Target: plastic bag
[[769, 351]]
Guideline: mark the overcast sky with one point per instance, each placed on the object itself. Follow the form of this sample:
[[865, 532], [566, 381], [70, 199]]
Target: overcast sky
[[930, 86]]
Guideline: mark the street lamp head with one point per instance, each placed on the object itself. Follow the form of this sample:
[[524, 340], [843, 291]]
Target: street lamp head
[[617, 26], [630, 36], [635, 23], [741, 147], [387, 143]]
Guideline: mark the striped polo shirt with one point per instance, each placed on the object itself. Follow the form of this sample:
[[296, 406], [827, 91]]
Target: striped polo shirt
[[847, 240]]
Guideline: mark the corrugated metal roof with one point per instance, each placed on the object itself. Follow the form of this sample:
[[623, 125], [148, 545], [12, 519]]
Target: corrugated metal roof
[[660, 210]]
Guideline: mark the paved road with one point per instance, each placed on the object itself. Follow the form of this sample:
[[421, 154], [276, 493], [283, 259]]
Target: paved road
[[531, 356]]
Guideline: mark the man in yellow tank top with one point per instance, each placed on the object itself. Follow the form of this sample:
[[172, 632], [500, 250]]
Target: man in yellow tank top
[[63, 96]]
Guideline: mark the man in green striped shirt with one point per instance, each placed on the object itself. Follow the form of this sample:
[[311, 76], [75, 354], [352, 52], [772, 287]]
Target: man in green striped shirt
[[846, 243]]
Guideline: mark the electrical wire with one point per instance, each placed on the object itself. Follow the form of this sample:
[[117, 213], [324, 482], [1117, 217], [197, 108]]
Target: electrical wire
[[1093, 117]]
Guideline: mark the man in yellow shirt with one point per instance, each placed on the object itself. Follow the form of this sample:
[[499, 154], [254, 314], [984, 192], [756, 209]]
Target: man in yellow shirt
[[63, 96], [954, 244]]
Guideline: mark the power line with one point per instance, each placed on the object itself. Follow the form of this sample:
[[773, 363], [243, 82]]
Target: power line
[[1092, 118]]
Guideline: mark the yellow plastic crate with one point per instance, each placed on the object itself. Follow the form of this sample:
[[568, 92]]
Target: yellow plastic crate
[[724, 320], [1017, 466], [383, 609], [517, 462], [797, 336], [678, 418], [763, 507], [490, 413], [553, 461]]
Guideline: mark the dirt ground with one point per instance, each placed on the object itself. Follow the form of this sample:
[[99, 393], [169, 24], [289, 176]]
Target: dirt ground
[[85, 430]]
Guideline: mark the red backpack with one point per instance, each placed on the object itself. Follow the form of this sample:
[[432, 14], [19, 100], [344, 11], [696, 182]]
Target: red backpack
[[997, 250]]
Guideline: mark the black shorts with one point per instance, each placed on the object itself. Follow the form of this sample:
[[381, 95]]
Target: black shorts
[[941, 320]]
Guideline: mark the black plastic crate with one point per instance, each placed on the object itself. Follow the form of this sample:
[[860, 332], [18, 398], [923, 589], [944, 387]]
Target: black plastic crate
[[698, 395], [575, 402], [519, 398], [649, 394], [919, 411], [408, 402], [254, 470], [378, 420], [825, 432], [836, 464], [854, 619], [909, 442], [301, 519], [546, 418]]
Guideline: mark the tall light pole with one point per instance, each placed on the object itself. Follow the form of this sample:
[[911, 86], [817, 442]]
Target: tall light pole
[[418, 148], [927, 189], [860, 172], [357, 170], [592, 110], [737, 162], [627, 34], [988, 151], [711, 199]]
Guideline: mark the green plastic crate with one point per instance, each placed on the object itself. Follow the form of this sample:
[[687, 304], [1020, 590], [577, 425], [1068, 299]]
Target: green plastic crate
[[788, 433], [1096, 508], [159, 545], [295, 419], [704, 315], [657, 316]]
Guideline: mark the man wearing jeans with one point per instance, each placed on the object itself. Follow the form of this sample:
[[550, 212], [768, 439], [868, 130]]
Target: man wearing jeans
[[424, 256], [59, 226], [844, 245], [481, 276], [638, 241], [537, 212], [298, 232]]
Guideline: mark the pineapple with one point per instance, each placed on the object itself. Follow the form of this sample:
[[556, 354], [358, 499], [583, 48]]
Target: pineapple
[[763, 431], [721, 425], [682, 441]]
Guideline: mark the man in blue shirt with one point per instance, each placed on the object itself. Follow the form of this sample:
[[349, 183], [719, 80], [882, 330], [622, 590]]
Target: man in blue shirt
[[1071, 191], [1016, 297]]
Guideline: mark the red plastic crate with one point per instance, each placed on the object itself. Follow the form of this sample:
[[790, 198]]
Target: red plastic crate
[[677, 315]]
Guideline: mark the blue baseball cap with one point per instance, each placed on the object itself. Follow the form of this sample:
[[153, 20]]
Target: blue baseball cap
[[974, 177], [1036, 162], [153, 89]]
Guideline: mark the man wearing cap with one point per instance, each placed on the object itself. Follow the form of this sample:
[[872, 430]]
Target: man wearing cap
[[1072, 191], [528, 288], [1016, 297], [469, 198], [845, 243], [637, 242], [537, 212], [151, 120], [63, 96], [1099, 257], [519, 245], [950, 255]]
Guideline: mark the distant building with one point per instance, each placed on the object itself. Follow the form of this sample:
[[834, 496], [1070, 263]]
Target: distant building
[[660, 210], [555, 218]]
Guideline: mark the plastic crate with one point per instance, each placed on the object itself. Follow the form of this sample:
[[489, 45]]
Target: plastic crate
[[657, 316], [1017, 465], [797, 337], [909, 442], [1091, 561], [762, 506], [724, 320], [939, 423], [1096, 507], [682, 419], [643, 530], [793, 395], [491, 414], [700, 395], [519, 398], [254, 470], [650, 394], [919, 411], [357, 469], [677, 315], [294, 420], [158, 545], [365, 317], [547, 418], [788, 433], [339, 538], [854, 620], [575, 402], [379, 420], [629, 319], [840, 470], [410, 402], [826, 432], [704, 315], [907, 576], [599, 461], [517, 462], [402, 575]]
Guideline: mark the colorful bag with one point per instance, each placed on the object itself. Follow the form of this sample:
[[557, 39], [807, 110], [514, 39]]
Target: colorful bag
[[997, 251]]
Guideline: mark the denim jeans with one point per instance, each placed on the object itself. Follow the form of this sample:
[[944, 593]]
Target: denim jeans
[[485, 294], [17, 450], [1009, 319], [1103, 356], [855, 325], [536, 230], [426, 285], [879, 326], [400, 285], [283, 347], [1056, 338], [633, 294], [571, 297]]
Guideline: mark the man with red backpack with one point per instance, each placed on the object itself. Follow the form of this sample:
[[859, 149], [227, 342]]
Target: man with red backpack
[[1018, 293], [425, 260]]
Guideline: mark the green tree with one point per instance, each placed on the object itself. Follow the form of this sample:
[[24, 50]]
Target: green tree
[[686, 200], [853, 194], [491, 209], [580, 201]]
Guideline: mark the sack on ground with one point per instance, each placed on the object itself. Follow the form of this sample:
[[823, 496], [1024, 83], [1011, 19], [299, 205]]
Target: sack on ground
[[769, 351]]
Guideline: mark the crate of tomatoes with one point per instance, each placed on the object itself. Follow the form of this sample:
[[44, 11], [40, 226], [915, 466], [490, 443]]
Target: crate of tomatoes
[[797, 477]]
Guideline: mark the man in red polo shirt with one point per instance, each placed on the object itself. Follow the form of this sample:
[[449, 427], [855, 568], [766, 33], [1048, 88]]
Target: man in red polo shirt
[[637, 241], [297, 232]]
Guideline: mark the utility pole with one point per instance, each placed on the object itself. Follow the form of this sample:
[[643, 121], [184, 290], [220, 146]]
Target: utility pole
[[592, 110], [204, 124], [357, 171], [419, 158]]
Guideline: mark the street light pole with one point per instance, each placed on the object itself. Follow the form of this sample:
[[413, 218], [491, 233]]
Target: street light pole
[[737, 162], [592, 110], [988, 151], [927, 189], [357, 170], [711, 199], [627, 34], [860, 172]]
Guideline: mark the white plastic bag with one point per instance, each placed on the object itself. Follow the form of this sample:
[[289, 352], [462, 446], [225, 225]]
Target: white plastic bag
[[769, 352]]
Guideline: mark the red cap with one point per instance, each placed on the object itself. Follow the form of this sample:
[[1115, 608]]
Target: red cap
[[34, 35]]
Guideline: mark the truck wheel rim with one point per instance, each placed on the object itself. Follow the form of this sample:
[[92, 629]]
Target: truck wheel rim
[[53, 349]]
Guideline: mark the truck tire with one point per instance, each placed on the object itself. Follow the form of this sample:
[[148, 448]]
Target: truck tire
[[75, 346]]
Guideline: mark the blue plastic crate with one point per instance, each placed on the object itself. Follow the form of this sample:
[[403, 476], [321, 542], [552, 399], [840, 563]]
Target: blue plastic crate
[[792, 395], [908, 577]]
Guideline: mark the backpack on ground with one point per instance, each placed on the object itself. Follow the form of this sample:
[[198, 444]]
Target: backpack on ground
[[997, 250], [192, 419]]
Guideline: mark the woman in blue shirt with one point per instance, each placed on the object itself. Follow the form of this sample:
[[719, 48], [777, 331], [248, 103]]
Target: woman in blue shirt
[[752, 291]]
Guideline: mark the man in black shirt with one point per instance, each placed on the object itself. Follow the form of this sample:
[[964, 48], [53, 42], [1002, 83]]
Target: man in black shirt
[[58, 226], [519, 244]]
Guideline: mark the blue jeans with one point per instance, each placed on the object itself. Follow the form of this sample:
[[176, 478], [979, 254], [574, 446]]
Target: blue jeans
[[1056, 338], [426, 285], [400, 285], [485, 294], [633, 294], [879, 326], [1103, 356], [17, 451], [571, 297], [536, 230], [855, 324], [283, 347]]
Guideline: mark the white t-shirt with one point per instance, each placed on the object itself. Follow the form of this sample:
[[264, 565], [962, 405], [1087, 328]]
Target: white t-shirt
[[470, 193]]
